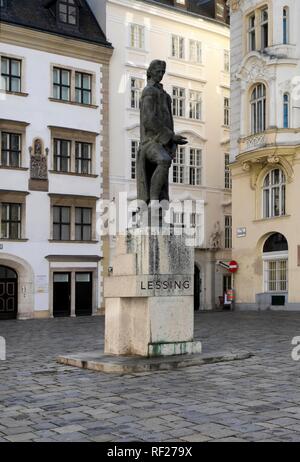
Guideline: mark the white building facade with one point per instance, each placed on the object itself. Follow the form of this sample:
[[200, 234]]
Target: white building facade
[[53, 85], [265, 148], [195, 45]]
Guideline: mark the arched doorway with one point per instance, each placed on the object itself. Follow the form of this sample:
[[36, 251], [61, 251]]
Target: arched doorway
[[197, 288], [8, 293], [275, 260]]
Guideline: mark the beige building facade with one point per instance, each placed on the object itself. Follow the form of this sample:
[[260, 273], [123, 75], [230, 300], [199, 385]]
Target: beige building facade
[[265, 150]]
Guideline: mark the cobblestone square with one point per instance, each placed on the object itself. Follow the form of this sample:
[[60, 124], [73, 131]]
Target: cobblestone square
[[250, 400]]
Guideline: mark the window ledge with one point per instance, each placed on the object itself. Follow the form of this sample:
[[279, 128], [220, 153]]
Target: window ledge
[[186, 61], [54, 241], [13, 240], [138, 50], [15, 93], [226, 127], [84, 175], [6, 167], [188, 119], [73, 103], [271, 218]]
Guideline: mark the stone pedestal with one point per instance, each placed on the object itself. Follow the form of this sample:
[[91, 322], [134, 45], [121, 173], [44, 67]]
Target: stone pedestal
[[149, 304]]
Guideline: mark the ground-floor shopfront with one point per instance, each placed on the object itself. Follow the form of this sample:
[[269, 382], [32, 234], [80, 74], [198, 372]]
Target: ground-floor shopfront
[[62, 285]]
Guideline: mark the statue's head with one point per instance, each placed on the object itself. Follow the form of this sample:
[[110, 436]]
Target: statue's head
[[156, 70]]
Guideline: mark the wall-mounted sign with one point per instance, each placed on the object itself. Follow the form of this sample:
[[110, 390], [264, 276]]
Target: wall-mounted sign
[[41, 284], [241, 232]]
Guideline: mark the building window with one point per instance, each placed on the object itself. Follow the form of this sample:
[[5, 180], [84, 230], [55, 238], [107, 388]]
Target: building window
[[83, 158], [286, 110], [264, 25], [61, 223], [136, 87], [228, 178], [68, 12], [83, 224], [10, 149], [137, 36], [134, 152], [258, 109], [11, 74], [252, 32], [226, 112], [228, 232], [61, 84], [2, 3], [195, 105], [195, 167], [179, 165], [83, 88], [10, 221], [178, 102], [285, 25], [226, 61], [195, 51], [177, 47], [274, 194], [275, 257], [62, 155]]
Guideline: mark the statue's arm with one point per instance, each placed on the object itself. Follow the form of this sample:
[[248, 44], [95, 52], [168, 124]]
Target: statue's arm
[[151, 120]]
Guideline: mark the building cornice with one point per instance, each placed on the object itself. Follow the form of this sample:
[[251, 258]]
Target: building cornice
[[175, 15], [52, 43]]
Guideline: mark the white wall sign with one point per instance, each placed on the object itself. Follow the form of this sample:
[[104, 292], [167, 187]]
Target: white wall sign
[[241, 232], [41, 284]]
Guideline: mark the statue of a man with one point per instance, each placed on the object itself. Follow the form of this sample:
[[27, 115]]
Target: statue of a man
[[158, 140]]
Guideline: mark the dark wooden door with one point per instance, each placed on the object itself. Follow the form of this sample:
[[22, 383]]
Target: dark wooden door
[[8, 293], [61, 294], [84, 294]]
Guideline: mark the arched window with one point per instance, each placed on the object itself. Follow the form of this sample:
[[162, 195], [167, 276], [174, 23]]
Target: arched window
[[286, 110], [258, 109], [285, 25], [274, 194], [275, 258]]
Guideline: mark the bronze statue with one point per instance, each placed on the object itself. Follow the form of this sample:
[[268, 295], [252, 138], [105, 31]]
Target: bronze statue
[[158, 141]]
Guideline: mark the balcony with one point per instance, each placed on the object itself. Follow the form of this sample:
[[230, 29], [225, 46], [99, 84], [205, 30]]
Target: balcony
[[273, 137]]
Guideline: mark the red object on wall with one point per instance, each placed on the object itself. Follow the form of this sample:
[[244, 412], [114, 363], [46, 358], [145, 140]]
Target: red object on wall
[[233, 267]]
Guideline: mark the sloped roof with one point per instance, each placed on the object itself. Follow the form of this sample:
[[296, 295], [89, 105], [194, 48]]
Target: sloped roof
[[39, 15]]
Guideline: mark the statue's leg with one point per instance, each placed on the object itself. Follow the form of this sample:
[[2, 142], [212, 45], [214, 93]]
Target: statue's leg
[[159, 178]]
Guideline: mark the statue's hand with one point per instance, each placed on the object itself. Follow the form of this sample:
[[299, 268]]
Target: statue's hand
[[181, 140]]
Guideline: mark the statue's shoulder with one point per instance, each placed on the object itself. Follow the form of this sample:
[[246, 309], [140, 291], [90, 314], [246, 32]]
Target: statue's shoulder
[[150, 90]]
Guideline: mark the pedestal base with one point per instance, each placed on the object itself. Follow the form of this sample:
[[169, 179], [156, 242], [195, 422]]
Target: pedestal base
[[98, 361]]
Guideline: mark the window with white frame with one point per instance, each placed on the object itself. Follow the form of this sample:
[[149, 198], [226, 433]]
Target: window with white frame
[[275, 259], [179, 96], [10, 220], [195, 105], [179, 165], [136, 88], [11, 146], [264, 27], [226, 61], [178, 45], [11, 74], [195, 51], [258, 108], [228, 232], [252, 32], [226, 112], [228, 178], [285, 25], [134, 152], [137, 36], [274, 194], [286, 110], [195, 167]]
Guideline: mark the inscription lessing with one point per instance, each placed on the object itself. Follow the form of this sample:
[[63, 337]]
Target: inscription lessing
[[165, 285]]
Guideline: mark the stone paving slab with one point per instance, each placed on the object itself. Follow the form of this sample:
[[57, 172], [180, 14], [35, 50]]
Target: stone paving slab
[[99, 361], [252, 400]]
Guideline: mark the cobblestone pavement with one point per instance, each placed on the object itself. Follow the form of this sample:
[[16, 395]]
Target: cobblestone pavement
[[251, 400]]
